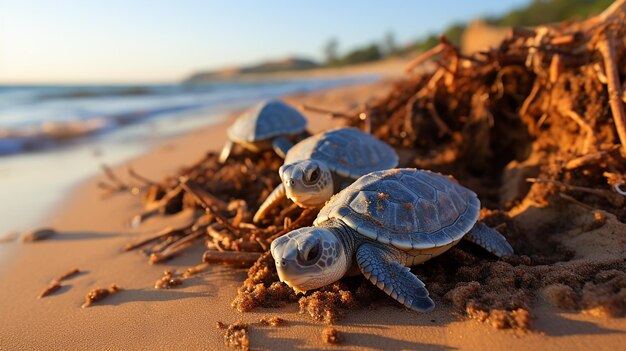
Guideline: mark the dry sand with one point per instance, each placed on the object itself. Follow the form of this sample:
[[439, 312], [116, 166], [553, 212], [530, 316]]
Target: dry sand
[[93, 231]]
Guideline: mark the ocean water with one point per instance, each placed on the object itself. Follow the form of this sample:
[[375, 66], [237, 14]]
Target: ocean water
[[52, 137]]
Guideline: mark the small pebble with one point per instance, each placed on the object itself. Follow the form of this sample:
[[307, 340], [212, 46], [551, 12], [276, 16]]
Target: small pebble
[[39, 234]]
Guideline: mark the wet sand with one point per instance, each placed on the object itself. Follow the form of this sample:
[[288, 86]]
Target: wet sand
[[93, 231]]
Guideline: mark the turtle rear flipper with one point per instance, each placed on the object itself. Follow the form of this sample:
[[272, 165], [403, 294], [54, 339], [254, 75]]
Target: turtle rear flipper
[[380, 267], [273, 199], [281, 146], [489, 239], [228, 147]]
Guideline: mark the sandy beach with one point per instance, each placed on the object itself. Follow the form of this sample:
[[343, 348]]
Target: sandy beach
[[92, 232]]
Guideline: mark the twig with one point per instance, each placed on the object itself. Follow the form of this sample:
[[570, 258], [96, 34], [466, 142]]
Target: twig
[[556, 67], [296, 224], [611, 197], [121, 186], [216, 235], [133, 174], [332, 114], [573, 200], [187, 238], [615, 7], [54, 286], [565, 39], [195, 270], [164, 243], [240, 259], [590, 138], [409, 67], [204, 198], [286, 223], [154, 207], [523, 111], [67, 275], [607, 49], [167, 231], [261, 243], [584, 160], [168, 253]]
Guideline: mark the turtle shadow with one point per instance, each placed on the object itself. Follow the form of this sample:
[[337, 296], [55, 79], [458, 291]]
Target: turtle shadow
[[553, 324], [268, 338], [379, 342], [388, 315]]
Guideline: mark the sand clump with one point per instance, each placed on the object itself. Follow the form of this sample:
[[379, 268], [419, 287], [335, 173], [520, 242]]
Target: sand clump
[[273, 321], [236, 335], [331, 335], [168, 281], [99, 294], [262, 288]]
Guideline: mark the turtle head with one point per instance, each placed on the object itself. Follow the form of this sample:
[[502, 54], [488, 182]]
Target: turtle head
[[308, 183], [309, 258]]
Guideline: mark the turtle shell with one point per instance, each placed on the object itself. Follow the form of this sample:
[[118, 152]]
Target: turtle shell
[[267, 120], [407, 208], [348, 152]]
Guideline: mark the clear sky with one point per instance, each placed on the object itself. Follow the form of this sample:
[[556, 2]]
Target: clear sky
[[82, 41]]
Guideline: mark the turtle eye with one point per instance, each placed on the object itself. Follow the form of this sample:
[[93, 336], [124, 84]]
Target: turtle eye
[[314, 176], [312, 254], [309, 256]]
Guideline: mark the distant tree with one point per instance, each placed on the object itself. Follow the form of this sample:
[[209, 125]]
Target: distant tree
[[330, 51], [429, 42], [361, 55], [547, 11], [389, 44], [454, 33]]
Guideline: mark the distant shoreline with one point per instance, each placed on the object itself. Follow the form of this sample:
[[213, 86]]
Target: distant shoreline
[[391, 68]]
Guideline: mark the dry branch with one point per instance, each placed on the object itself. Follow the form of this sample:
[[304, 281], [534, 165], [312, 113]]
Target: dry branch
[[606, 47], [240, 259]]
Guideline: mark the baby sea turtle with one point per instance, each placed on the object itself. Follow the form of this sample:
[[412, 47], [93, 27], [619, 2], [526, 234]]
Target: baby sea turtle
[[267, 125], [383, 223], [323, 164]]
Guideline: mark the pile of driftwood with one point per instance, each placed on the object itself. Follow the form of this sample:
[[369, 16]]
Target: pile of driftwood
[[540, 117], [546, 104]]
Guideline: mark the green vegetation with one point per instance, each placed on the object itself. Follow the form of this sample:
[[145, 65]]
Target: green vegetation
[[535, 13], [369, 53], [543, 11]]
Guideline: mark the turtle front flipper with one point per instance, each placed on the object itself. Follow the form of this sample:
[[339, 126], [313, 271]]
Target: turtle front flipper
[[381, 268], [228, 147], [489, 239], [273, 199], [281, 145]]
